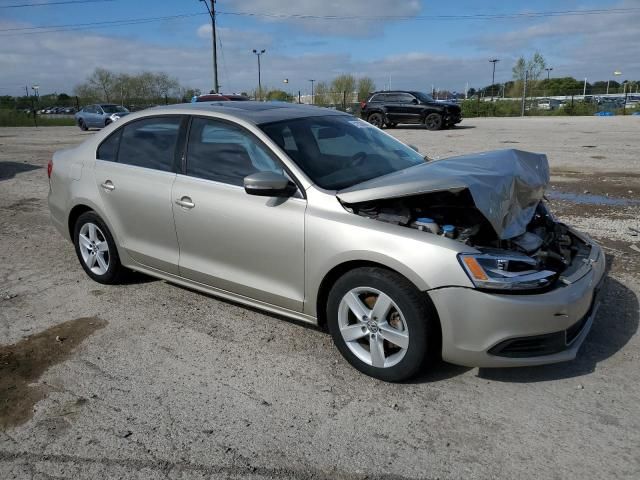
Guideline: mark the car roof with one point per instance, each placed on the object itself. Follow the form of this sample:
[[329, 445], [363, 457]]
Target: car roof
[[252, 111]]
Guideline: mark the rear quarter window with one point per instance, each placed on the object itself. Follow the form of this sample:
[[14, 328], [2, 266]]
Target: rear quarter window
[[108, 149]]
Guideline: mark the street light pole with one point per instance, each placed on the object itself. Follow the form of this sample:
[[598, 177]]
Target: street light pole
[[259, 53], [312, 99], [212, 14], [493, 77], [548, 69]]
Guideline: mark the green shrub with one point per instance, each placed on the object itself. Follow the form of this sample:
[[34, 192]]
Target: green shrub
[[13, 118]]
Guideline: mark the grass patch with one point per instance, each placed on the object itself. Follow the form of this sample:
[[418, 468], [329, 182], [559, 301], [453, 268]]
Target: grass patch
[[12, 118]]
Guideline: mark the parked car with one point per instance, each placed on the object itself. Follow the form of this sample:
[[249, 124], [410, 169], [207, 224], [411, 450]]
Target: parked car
[[317, 216], [548, 104], [68, 110], [219, 97], [100, 115], [391, 108]]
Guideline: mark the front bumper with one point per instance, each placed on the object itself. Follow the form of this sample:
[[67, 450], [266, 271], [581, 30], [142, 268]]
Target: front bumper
[[481, 329], [453, 118]]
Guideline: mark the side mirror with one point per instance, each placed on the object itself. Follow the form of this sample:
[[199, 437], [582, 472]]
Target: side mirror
[[414, 101], [269, 184]]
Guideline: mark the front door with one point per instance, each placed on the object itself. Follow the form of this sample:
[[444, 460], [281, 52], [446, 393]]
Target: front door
[[245, 244], [135, 172]]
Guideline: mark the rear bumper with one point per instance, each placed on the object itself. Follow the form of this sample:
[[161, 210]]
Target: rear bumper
[[481, 329]]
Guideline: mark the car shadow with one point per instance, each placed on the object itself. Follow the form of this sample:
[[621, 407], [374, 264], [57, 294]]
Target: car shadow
[[9, 170], [137, 278], [615, 324], [421, 127]]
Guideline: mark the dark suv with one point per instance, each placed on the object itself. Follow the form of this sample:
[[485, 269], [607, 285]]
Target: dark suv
[[390, 108]]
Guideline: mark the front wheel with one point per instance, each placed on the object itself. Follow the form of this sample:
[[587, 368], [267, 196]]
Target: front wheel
[[433, 121], [382, 324], [96, 249], [376, 119], [82, 125]]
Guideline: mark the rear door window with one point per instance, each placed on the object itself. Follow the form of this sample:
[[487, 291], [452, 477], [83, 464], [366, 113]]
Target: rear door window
[[150, 143]]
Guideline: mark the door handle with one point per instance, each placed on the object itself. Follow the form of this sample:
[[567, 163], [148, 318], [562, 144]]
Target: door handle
[[108, 185], [185, 202]]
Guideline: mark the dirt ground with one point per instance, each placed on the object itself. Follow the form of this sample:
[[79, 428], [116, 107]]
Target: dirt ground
[[169, 383]]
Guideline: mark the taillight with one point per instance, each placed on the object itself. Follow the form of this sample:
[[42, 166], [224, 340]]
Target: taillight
[[49, 167]]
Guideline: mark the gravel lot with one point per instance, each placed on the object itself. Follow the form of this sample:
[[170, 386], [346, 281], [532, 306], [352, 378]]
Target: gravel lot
[[169, 383]]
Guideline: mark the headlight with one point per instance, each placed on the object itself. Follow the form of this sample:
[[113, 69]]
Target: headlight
[[115, 116], [504, 272]]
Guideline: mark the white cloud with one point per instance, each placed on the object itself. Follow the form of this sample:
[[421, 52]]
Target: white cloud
[[286, 10], [586, 45]]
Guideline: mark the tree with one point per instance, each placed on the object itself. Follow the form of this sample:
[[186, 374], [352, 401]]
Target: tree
[[340, 85], [321, 94], [366, 85], [278, 95], [102, 80], [533, 67]]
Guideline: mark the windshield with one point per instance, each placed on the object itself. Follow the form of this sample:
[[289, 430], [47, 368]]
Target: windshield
[[423, 97], [114, 109], [337, 152]]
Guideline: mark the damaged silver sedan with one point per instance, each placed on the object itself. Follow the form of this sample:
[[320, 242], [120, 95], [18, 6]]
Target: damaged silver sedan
[[320, 217]]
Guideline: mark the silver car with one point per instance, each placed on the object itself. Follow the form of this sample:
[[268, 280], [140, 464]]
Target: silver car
[[318, 216], [99, 115]]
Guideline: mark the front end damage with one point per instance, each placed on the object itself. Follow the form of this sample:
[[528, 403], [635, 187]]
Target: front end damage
[[493, 202]]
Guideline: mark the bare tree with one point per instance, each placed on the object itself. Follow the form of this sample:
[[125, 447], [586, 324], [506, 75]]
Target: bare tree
[[366, 85]]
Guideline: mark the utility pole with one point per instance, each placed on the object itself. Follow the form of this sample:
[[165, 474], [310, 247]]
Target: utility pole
[[312, 98], [259, 53], [524, 92], [212, 14], [493, 77], [584, 88]]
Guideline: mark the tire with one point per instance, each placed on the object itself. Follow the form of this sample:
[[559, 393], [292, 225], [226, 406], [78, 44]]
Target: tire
[[433, 121], [107, 122], [103, 266], [82, 125], [376, 119], [409, 319]]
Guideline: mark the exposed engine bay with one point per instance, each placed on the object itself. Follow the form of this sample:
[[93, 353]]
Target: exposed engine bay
[[546, 245]]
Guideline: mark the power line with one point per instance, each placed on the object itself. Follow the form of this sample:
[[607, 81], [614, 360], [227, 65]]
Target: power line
[[479, 16], [135, 21], [21, 5], [85, 26]]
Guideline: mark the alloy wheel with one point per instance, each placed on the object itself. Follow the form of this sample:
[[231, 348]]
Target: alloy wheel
[[94, 248], [373, 327]]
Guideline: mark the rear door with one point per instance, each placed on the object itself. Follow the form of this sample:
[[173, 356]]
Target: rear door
[[409, 107], [245, 244], [134, 172]]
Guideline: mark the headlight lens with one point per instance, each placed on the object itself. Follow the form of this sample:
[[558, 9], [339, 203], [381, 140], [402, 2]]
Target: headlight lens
[[504, 272], [115, 116]]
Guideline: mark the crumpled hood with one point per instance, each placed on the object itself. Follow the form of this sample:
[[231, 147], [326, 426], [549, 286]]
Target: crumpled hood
[[506, 185]]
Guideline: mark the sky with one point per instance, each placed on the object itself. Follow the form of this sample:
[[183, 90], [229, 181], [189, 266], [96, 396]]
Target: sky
[[427, 45]]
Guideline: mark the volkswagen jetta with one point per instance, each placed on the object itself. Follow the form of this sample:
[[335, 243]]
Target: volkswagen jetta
[[318, 216]]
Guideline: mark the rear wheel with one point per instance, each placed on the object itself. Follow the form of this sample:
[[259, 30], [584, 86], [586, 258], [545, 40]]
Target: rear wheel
[[96, 249], [382, 324], [433, 121], [376, 119], [82, 125]]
